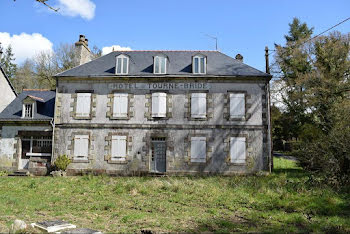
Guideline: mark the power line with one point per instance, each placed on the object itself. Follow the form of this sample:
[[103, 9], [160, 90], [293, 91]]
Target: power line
[[310, 39]]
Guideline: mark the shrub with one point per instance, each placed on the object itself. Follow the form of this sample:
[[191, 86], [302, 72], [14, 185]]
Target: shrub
[[3, 173], [62, 162]]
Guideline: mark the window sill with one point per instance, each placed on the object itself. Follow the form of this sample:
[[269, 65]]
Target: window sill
[[38, 154], [77, 160], [110, 161]]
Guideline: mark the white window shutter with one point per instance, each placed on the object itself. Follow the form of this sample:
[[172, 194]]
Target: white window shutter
[[118, 147], [198, 149], [237, 105], [83, 104], [238, 149], [81, 146], [120, 105], [159, 104], [198, 105]]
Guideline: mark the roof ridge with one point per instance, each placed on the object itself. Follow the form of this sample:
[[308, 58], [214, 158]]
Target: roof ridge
[[166, 51]]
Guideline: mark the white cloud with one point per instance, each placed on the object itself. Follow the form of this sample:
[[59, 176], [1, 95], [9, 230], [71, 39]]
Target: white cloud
[[25, 45], [109, 49], [83, 8]]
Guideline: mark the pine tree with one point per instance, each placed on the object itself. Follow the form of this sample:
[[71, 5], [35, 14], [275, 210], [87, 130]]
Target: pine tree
[[7, 63]]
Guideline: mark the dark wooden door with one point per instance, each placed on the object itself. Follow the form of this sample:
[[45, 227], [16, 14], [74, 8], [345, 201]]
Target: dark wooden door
[[158, 154]]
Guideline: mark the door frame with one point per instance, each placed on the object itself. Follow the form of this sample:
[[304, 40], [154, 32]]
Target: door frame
[[151, 154]]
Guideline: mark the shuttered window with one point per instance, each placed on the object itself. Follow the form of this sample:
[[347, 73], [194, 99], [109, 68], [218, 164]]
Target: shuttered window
[[81, 146], [198, 105], [238, 149], [120, 105], [198, 149], [158, 104], [118, 148], [237, 105], [83, 105]]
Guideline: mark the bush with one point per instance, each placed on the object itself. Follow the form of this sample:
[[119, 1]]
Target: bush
[[62, 162], [3, 173]]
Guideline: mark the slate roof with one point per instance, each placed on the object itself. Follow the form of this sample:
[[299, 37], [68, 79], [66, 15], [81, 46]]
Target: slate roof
[[179, 64], [45, 101], [8, 80]]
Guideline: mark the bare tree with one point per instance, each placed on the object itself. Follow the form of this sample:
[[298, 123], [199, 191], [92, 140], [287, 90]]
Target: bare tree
[[44, 2]]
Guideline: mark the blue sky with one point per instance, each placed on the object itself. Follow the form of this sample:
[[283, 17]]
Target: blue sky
[[244, 27]]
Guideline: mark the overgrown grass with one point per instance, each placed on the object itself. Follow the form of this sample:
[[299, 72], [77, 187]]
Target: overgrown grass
[[285, 201]]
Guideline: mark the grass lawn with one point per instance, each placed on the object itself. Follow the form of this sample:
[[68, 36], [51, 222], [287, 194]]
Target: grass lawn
[[285, 201]]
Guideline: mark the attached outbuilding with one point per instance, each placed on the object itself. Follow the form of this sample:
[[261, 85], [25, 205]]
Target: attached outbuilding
[[26, 135]]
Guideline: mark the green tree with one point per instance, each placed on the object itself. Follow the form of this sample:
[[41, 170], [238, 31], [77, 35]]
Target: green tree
[[293, 61], [7, 62]]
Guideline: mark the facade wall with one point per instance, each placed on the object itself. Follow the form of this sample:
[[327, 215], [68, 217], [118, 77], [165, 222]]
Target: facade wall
[[10, 144], [177, 127], [7, 94]]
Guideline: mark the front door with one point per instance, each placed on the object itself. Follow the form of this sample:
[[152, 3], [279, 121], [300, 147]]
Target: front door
[[24, 162], [158, 161]]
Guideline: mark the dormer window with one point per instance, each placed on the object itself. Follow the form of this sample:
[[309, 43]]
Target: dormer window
[[28, 110], [122, 66], [199, 65], [160, 65]]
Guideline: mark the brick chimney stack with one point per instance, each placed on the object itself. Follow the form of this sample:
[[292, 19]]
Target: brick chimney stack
[[239, 57], [83, 53]]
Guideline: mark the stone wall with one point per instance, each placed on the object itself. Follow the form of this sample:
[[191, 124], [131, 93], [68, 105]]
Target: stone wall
[[177, 127], [10, 144]]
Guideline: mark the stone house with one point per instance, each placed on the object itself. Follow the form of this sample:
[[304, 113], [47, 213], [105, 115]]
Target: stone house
[[169, 112], [26, 136], [8, 93]]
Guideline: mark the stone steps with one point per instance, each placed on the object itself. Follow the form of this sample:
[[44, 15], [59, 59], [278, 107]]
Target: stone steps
[[20, 173]]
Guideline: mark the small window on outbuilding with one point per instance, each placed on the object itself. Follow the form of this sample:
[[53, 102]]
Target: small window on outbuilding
[[122, 65], [199, 64], [28, 110], [159, 64]]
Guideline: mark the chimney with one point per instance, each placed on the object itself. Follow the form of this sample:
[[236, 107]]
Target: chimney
[[239, 57], [83, 53]]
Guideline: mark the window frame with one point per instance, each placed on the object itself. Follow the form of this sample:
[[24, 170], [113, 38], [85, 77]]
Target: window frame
[[82, 158], [198, 116], [197, 159], [24, 111], [122, 57], [158, 57], [121, 158], [245, 149], [121, 116], [163, 115], [237, 117], [199, 57], [79, 115]]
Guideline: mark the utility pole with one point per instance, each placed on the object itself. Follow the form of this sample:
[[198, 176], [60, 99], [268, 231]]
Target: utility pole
[[267, 60], [269, 109]]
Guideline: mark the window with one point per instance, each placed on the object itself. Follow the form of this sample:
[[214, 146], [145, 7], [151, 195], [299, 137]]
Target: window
[[38, 145], [198, 105], [198, 149], [160, 65], [83, 105], [122, 66], [118, 148], [237, 149], [199, 64], [120, 105], [81, 146], [237, 105], [158, 104], [28, 110]]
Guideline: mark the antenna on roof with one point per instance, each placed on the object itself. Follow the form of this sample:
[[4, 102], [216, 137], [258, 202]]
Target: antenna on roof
[[216, 40]]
